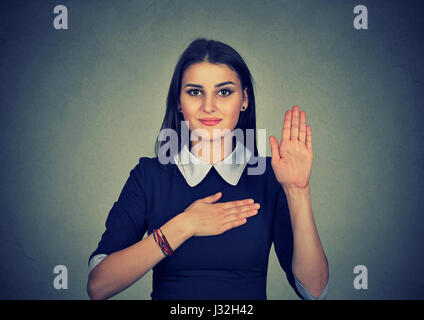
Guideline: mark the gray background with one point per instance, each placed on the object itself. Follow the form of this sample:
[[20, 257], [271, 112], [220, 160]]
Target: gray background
[[80, 106]]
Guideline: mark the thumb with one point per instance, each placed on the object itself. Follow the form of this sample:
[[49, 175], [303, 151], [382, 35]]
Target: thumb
[[275, 152], [212, 198]]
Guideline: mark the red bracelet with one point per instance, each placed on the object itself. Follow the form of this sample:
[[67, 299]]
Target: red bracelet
[[162, 242], [166, 242]]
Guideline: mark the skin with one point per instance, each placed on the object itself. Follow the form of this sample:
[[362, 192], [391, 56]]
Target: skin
[[200, 98]]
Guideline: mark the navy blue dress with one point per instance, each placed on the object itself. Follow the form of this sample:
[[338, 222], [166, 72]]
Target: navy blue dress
[[232, 265]]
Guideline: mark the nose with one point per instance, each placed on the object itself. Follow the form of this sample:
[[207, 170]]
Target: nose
[[209, 104]]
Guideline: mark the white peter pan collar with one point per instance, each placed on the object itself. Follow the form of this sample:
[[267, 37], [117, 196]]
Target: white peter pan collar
[[194, 170]]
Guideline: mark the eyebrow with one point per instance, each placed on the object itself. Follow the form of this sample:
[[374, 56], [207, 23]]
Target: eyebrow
[[216, 86]]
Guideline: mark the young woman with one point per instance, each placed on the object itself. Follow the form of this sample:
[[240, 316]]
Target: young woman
[[210, 210]]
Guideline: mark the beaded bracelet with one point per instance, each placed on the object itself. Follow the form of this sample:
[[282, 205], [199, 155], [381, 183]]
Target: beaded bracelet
[[162, 242]]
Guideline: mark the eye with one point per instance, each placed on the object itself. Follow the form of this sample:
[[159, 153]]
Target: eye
[[227, 92], [193, 92]]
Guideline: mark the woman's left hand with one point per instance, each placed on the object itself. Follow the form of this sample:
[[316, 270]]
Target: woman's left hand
[[292, 159]]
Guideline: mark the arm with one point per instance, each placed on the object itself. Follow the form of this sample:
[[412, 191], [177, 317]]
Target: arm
[[122, 268], [309, 264], [203, 217], [292, 164]]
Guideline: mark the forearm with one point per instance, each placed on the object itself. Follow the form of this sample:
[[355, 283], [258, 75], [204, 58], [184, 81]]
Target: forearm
[[122, 268], [309, 262]]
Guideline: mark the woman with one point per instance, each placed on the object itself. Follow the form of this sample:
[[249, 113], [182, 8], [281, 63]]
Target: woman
[[211, 218]]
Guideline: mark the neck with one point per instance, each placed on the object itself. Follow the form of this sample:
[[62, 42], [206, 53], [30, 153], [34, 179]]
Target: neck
[[212, 151]]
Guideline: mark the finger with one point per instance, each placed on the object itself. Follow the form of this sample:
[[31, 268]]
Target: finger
[[309, 137], [286, 126], [237, 203], [294, 131], [233, 224], [238, 212], [275, 148], [240, 216], [302, 128], [212, 198]]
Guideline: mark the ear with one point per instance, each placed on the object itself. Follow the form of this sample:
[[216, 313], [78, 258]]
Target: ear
[[245, 98]]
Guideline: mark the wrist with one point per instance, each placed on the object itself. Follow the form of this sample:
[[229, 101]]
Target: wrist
[[296, 190], [184, 225], [296, 194], [175, 231]]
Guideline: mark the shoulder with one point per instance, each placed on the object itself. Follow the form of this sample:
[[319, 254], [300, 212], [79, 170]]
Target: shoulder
[[150, 167]]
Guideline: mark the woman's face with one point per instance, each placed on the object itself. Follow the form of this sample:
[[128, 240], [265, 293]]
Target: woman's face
[[211, 98]]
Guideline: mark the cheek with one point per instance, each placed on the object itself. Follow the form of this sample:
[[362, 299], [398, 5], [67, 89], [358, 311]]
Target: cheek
[[190, 108], [233, 107], [234, 115], [187, 108], [189, 115]]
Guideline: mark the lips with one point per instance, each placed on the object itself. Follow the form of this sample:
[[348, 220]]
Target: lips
[[210, 122]]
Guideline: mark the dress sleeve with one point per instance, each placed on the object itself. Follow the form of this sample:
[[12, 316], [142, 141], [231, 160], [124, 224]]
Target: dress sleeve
[[282, 237], [126, 222], [283, 245]]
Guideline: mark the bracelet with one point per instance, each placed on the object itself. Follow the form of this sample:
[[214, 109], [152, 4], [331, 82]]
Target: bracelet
[[162, 242], [166, 242]]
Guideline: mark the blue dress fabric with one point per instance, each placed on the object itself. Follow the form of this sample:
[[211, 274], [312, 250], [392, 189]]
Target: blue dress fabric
[[232, 265]]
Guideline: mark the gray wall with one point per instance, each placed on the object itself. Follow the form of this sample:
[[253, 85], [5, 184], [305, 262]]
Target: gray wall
[[80, 106]]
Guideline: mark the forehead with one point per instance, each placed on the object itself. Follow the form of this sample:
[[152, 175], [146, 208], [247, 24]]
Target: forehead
[[209, 74]]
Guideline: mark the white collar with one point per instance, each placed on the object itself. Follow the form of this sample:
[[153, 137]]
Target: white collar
[[194, 170]]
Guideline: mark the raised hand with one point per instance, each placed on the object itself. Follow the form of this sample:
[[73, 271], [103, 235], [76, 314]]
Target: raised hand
[[292, 158]]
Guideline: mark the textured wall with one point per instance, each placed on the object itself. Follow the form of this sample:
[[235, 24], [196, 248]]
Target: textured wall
[[80, 106]]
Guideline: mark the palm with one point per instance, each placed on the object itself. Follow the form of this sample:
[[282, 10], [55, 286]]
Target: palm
[[292, 158]]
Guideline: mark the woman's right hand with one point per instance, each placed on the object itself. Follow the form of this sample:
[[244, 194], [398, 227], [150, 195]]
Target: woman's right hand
[[206, 218]]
